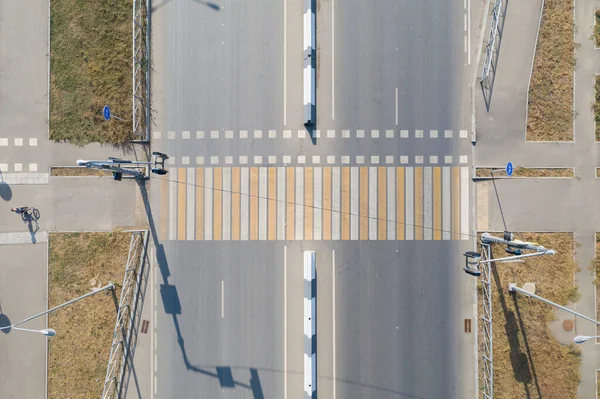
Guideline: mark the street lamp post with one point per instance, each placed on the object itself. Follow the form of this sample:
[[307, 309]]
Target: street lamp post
[[48, 332], [580, 339]]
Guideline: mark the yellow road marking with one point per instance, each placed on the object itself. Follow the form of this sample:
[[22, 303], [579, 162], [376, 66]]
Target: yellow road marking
[[345, 203], [217, 203], [381, 206], [181, 186], [290, 200], [418, 203], [456, 203], [164, 208], [235, 203], [364, 203], [327, 203], [437, 203], [199, 203], [254, 203], [272, 204], [308, 203], [400, 226]]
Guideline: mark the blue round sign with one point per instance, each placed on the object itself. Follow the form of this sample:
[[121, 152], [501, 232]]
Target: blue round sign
[[509, 169], [106, 112]]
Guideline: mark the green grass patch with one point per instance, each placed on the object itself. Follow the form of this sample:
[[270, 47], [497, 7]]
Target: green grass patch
[[90, 66], [78, 354], [550, 108], [528, 360]]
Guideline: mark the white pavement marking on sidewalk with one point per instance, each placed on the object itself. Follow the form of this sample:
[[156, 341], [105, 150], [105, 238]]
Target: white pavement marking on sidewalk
[[285, 376], [244, 182], [23, 177], [317, 204], [173, 205], [333, 59], [464, 202], [372, 203], [354, 203], [190, 207], [427, 204], [391, 203], [299, 205], [333, 315], [281, 203], [226, 203], [285, 64], [396, 106], [22, 238], [208, 203], [262, 203], [222, 299], [335, 203], [409, 198], [447, 211]]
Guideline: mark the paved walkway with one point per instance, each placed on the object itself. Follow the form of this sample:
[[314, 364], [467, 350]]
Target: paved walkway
[[65, 204], [545, 204]]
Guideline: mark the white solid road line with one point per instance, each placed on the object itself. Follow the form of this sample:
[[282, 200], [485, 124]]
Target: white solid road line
[[333, 300], [222, 299], [333, 60], [285, 377], [284, 62]]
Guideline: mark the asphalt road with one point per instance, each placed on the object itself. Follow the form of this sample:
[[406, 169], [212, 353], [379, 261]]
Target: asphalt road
[[227, 98]]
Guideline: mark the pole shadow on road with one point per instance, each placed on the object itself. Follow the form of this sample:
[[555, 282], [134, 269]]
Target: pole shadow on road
[[172, 306]]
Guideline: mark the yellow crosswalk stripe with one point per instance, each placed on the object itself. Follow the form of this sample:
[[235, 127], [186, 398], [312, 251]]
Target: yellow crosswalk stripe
[[437, 203]]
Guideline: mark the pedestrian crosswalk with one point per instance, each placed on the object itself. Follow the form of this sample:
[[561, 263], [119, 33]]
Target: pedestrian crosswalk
[[315, 203], [302, 134]]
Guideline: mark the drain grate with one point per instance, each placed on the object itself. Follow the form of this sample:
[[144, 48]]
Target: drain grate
[[467, 325]]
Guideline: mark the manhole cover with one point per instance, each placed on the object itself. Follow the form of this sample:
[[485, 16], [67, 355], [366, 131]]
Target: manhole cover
[[568, 325]]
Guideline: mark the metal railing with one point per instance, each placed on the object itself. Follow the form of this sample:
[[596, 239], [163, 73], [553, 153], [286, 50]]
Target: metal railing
[[141, 70], [492, 49], [486, 320], [122, 344]]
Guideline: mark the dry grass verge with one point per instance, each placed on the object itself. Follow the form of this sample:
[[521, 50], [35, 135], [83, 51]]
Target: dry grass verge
[[550, 108], [90, 66], [528, 172], [528, 360], [78, 171], [78, 354]]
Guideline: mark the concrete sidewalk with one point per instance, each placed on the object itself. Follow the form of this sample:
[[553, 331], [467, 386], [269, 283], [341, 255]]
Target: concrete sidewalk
[[545, 204]]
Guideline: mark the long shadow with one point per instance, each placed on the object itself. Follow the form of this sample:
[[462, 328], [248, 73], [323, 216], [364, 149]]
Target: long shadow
[[172, 306], [518, 359], [495, 56], [526, 342]]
